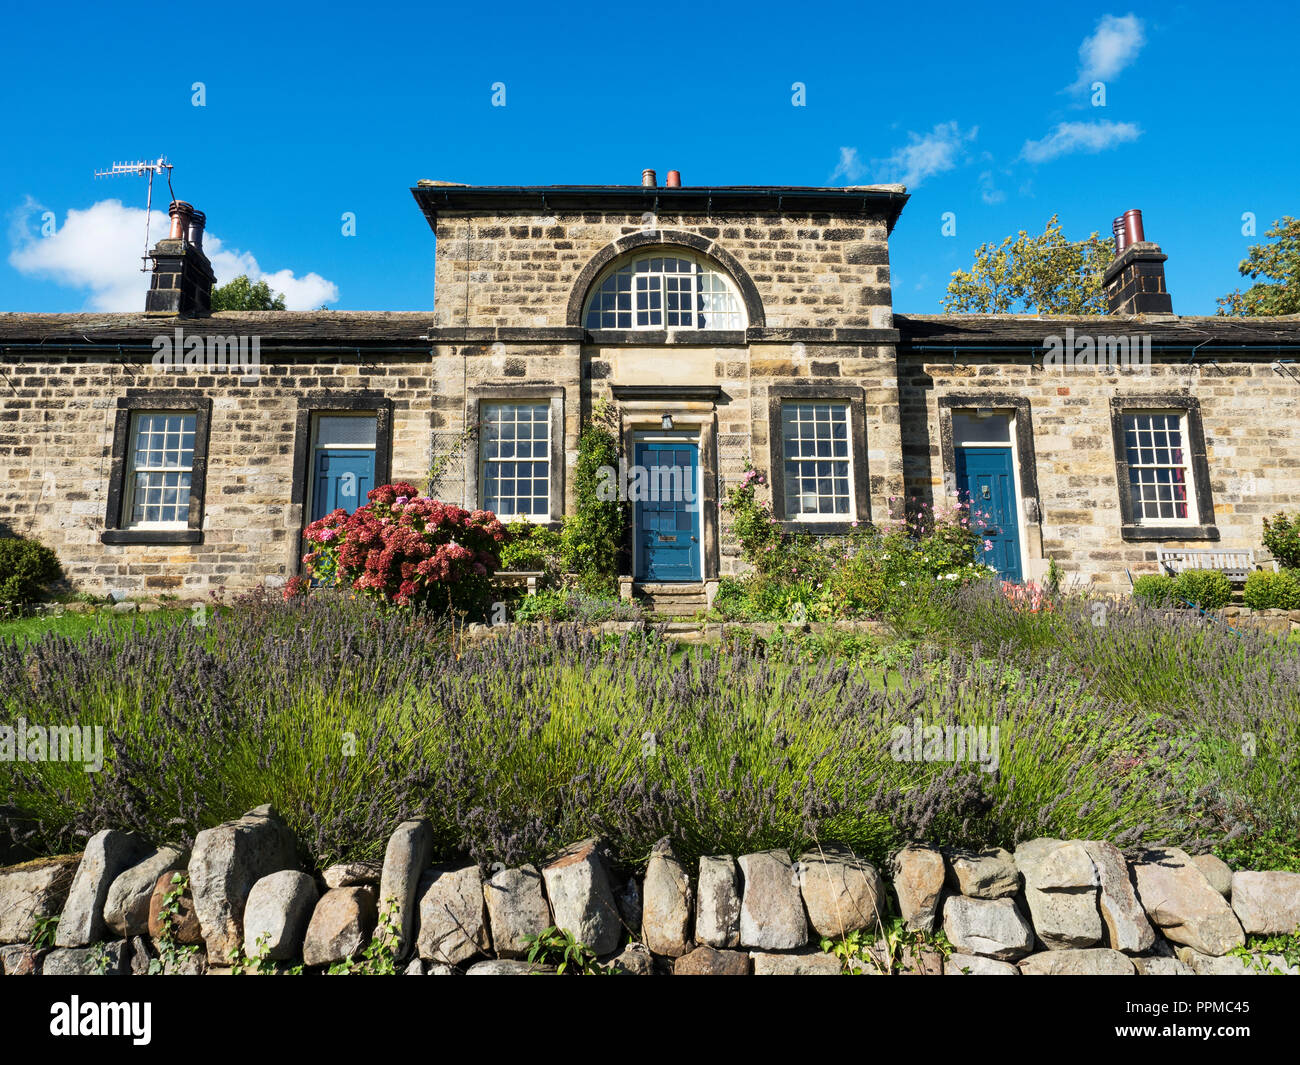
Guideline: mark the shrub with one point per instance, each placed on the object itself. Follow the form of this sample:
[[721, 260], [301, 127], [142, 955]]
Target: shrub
[[566, 604], [1206, 588], [1154, 589], [517, 745], [593, 533], [1266, 591], [530, 546], [27, 568], [407, 550], [1282, 537]]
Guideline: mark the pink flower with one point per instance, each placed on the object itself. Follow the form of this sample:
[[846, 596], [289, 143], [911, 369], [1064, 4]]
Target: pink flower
[[988, 545]]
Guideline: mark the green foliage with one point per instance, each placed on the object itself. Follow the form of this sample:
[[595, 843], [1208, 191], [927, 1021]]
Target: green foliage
[[171, 953], [556, 946], [1206, 588], [1282, 538], [47, 927], [567, 604], [1279, 265], [1043, 274], [891, 954], [593, 533], [1265, 590], [27, 568], [244, 295], [889, 572], [1154, 589], [531, 547], [1270, 955]]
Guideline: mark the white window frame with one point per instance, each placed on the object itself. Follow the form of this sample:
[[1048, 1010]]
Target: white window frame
[[484, 462], [703, 268], [1138, 509], [132, 471], [850, 514]]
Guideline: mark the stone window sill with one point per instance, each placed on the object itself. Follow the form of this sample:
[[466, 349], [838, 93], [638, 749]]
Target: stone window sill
[[151, 536], [1169, 532]]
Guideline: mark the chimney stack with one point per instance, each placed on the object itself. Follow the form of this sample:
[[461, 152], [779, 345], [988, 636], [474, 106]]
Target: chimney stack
[[1135, 279], [648, 178], [182, 279], [674, 179]]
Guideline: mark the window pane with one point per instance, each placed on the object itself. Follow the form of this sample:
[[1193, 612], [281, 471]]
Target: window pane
[[1158, 475], [340, 430], [815, 445], [514, 452], [158, 476]]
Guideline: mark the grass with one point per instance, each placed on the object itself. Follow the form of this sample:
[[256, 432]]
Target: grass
[[76, 626]]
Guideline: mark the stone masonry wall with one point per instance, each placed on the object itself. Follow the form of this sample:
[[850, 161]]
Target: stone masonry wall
[[520, 270], [56, 437], [1251, 419], [1053, 907]]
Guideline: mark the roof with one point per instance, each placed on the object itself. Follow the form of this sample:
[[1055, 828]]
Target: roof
[[372, 328], [886, 200], [1003, 331]]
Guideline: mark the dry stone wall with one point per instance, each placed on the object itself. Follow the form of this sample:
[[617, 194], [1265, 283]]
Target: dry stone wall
[[1050, 907]]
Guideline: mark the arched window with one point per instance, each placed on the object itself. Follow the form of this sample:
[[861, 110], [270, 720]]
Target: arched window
[[665, 290]]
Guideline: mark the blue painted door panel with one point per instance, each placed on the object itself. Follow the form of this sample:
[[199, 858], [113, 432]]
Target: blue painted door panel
[[341, 479], [668, 524], [985, 479]]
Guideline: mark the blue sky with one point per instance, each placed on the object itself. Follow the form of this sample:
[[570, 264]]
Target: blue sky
[[314, 110]]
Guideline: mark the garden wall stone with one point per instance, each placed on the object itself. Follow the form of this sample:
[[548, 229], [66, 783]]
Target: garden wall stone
[[577, 883], [841, 892], [760, 914], [717, 908], [517, 909], [919, 875], [31, 891], [667, 902], [1267, 903], [409, 852], [771, 907], [107, 855], [126, 908], [1183, 904], [225, 864]]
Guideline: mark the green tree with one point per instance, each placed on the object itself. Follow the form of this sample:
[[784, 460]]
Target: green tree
[[1043, 274], [1280, 264], [244, 295]]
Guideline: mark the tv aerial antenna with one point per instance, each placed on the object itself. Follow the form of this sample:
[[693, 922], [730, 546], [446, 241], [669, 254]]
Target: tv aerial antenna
[[160, 166]]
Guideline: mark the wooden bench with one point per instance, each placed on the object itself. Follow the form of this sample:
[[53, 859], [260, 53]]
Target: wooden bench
[[1235, 565]]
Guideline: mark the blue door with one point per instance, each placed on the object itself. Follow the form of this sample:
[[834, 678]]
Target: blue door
[[667, 511], [341, 479], [986, 481]]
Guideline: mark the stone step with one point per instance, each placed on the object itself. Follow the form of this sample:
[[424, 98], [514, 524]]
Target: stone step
[[664, 598]]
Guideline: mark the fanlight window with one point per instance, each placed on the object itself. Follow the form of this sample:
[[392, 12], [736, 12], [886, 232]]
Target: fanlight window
[[659, 291]]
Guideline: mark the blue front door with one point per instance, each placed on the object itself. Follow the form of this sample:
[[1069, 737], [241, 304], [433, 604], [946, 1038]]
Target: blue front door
[[986, 481], [666, 511], [341, 479]]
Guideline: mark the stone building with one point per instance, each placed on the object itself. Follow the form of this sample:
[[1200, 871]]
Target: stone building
[[181, 451]]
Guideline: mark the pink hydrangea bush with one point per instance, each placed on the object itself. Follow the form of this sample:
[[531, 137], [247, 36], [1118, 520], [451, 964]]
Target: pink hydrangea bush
[[408, 550]]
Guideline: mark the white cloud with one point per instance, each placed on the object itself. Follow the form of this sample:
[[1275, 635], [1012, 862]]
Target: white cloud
[[937, 151], [989, 191], [1112, 47], [1070, 137], [99, 248], [849, 168]]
